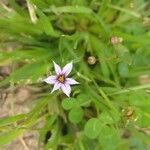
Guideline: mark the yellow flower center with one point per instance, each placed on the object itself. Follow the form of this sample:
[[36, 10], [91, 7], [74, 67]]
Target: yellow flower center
[[61, 78]]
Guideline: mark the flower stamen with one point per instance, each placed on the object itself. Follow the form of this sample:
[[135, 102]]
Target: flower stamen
[[61, 78]]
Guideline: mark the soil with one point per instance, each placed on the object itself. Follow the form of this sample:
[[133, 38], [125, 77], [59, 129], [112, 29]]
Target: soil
[[13, 103]]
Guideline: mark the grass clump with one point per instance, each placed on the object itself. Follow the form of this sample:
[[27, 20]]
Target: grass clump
[[108, 42]]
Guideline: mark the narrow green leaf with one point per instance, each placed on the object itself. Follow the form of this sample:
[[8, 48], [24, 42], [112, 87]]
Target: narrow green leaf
[[29, 73], [7, 137], [69, 9], [45, 24], [12, 119]]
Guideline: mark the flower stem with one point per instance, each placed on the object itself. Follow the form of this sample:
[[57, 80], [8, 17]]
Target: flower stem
[[145, 86]]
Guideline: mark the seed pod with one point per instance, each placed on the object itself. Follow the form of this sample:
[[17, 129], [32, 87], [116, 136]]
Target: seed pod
[[91, 60], [129, 113], [116, 40]]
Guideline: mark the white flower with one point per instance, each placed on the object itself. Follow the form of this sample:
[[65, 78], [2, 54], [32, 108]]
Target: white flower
[[61, 80]]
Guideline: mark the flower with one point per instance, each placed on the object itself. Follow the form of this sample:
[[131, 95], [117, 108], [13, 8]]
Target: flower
[[61, 80]]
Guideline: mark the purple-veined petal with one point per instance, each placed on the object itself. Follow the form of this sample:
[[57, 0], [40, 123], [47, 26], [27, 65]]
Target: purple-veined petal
[[50, 79], [57, 68], [66, 89], [57, 86], [71, 81], [67, 69]]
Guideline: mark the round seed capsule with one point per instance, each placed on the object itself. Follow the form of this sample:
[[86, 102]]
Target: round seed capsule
[[91, 60]]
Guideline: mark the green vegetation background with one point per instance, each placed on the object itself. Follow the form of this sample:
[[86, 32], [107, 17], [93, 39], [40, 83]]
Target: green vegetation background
[[109, 110]]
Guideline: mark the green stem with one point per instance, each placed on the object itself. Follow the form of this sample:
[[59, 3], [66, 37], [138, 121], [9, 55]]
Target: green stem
[[105, 96], [146, 86], [107, 99]]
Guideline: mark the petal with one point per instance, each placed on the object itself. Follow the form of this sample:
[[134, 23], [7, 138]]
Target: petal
[[50, 79], [57, 68], [71, 81], [57, 86], [66, 89], [67, 69]]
